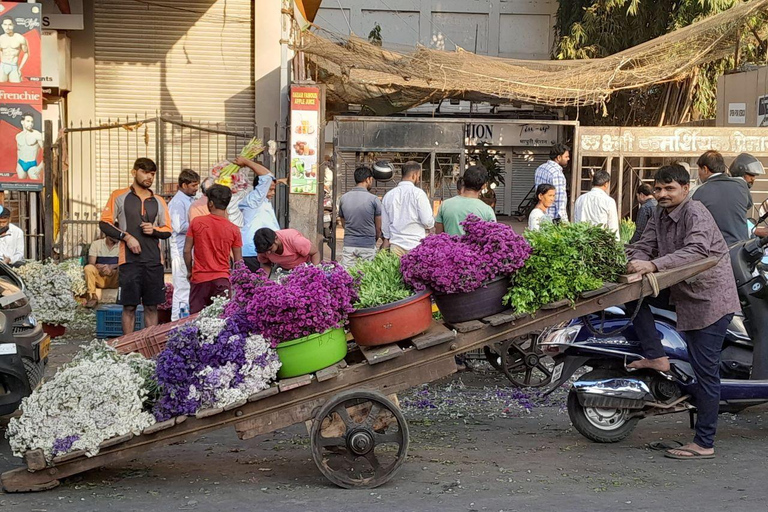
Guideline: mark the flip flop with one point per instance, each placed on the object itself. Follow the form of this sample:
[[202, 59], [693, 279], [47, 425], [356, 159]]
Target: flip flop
[[693, 455], [664, 445]]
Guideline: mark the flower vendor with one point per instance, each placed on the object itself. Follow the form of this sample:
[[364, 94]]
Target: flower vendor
[[455, 210], [286, 248]]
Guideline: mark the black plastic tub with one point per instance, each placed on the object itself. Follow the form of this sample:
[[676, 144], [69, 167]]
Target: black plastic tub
[[463, 307]]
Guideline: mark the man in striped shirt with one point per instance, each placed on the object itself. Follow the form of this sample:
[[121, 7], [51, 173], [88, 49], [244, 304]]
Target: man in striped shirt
[[551, 172]]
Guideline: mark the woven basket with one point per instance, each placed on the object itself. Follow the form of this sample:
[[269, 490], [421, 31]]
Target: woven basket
[[148, 342]]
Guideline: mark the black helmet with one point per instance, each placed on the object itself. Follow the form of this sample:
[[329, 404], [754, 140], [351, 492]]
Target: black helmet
[[746, 164], [383, 171]]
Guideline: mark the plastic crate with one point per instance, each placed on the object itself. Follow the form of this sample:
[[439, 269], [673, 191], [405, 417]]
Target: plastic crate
[[109, 320]]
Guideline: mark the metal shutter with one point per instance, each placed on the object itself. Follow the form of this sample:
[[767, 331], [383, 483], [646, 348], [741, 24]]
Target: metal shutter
[[190, 60], [520, 172]]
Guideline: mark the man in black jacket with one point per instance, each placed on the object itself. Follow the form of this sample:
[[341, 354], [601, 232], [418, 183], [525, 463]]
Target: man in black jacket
[[726, 198]]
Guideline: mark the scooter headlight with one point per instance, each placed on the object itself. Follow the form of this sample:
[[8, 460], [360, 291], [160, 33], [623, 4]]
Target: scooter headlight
[[551, 342]]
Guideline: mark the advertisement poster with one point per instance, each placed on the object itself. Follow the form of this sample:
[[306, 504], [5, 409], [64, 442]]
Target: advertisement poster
[[21, 138], [20, 43], [305, 136]]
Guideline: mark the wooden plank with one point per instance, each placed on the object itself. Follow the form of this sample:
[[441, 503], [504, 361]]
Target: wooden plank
[[435, 335], [342, 364], [504, 317], [181, 419], [296, 382], [603, 289], [204, 413], [375, 355], [115, 441], [472, 325], [264, 394], [35, 459], [235, 405], [157, 427], [327, 373], [557, 305], [68, 456], [630, 278]]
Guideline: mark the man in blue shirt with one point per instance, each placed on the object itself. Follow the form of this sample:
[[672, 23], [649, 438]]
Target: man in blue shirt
[[551, 172], [257, 209], [189, 181]]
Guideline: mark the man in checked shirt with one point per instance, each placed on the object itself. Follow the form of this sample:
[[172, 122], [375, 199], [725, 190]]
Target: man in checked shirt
[[551, 172]]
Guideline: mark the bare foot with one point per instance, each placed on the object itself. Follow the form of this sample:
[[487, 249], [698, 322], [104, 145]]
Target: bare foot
[[685, 451], [660, 364]]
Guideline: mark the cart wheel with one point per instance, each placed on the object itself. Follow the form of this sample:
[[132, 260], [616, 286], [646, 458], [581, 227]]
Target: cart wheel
[[524, 364], [359, 439]]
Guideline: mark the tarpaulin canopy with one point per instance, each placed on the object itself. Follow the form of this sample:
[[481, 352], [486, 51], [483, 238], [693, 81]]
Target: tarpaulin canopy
[[387, 81]]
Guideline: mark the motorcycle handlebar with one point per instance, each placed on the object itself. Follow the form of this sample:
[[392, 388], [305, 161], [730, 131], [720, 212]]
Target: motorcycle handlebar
[[763, 242]]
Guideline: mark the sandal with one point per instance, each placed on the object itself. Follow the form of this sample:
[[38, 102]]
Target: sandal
[[693, 455], [664, 445]]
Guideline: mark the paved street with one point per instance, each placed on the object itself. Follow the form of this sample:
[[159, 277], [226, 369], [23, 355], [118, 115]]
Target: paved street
[[474, 446]]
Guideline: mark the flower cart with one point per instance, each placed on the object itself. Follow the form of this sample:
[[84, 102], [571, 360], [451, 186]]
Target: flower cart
[[359, 437]]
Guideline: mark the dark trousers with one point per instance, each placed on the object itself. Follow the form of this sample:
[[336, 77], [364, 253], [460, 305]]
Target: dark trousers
[[202, 294], [704, 348], [252, 262]]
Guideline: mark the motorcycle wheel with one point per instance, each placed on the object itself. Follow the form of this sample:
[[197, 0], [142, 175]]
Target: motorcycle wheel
[[600, 425]]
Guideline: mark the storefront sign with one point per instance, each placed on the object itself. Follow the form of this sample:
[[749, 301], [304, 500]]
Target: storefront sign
[[21, 138], [20, 43], [737, 113], [492, 134], [657, 141], [63, 14], [305, 139]]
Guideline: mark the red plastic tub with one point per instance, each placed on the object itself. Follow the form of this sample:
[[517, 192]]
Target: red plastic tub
[[392, 322]]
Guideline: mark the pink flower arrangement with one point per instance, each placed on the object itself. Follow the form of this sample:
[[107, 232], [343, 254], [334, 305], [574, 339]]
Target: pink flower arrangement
[[455, 264]]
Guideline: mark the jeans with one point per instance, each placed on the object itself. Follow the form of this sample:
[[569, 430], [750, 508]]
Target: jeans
[[704, 348]]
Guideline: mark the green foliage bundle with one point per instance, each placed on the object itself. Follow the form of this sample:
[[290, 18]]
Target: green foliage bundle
[[380, 281], [567, 259], [626, 230]]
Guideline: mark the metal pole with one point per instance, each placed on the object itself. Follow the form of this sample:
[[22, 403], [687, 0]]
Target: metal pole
[[48, 187], [432, 158], [621, 184], [575, 169]]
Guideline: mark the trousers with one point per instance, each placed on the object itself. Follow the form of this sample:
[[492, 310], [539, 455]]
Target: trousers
[[180, 284], [704, 348], [93, 280]]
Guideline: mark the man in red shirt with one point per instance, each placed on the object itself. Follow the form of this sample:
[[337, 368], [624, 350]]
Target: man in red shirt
[[213, 238], [286, 248]]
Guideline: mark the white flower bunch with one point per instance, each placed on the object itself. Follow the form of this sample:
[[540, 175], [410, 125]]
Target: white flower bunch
[[49, 289], [76, 274], [97, 396], [209, 320]]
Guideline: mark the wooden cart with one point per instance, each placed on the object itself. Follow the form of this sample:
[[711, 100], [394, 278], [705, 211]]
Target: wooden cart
[[359, 437]]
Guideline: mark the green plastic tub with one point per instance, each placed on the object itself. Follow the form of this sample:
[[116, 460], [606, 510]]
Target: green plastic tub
[[311, 353]]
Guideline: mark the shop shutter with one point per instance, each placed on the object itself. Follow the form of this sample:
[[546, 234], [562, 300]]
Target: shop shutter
[[190, 60], [521, 167]]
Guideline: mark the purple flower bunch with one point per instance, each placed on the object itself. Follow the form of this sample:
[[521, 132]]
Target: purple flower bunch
[[179, 367], [455, 264], [64, 444], [309, 300]]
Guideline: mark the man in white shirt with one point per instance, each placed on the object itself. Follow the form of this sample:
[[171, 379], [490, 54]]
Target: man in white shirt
[[189, 182], [11, 239], [596, 206], [406, 212]]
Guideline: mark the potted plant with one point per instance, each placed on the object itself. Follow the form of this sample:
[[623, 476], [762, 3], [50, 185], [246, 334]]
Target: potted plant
[[302, 315], [469, 274], [483, 156], [387, 310], [50, 293]]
